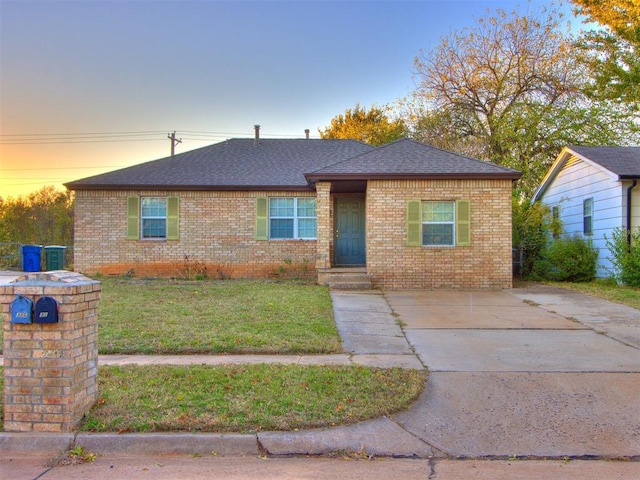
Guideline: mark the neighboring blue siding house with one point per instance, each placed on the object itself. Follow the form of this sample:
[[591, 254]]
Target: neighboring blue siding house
[[594, 190]]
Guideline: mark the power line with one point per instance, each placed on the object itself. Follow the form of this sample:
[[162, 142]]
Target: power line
[[56, 168], [75, 140], [116, 137], [77, 134]]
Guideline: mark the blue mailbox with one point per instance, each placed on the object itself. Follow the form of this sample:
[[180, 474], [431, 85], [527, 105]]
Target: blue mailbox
[[21, 310], [46, 310]]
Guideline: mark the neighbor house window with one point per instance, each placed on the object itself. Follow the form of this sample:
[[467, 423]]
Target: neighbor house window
[[438, 223], [555, 214], [587, 216], [153, 215], [292, 218]]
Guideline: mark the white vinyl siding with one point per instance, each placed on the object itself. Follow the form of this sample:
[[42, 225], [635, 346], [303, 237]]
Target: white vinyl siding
[[577, 181]]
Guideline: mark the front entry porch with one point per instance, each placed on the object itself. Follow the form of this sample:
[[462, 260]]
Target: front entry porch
[[345, 278], [342, 236]]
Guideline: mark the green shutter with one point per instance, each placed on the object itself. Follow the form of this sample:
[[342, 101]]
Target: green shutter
[[463, 223], [414, 223], [173, 218], [262, 219], [133, 218]]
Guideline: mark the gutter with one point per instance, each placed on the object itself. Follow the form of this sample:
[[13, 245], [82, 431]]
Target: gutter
[[635, 182]]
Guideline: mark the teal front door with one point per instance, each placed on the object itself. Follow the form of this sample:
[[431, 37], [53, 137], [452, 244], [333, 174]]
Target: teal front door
[[350, 231]]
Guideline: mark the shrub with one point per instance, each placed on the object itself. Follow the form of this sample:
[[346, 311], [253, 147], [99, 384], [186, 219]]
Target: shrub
[[625, 258], [568, 259], [533, 225]]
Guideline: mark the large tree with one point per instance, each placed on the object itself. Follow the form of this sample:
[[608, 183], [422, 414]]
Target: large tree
[[510, 89], [372, 126], [613, 54]]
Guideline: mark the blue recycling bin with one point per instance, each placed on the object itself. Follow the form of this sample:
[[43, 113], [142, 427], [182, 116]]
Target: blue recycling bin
[[31, 258]]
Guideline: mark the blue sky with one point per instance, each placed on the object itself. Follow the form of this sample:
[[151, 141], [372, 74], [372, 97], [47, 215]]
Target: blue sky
[[95, 67]]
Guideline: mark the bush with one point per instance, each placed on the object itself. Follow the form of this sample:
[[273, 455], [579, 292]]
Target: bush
[[532, 225], [625, 258], [568, 259]]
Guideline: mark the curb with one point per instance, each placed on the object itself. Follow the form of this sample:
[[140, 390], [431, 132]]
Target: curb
[[381, 438]]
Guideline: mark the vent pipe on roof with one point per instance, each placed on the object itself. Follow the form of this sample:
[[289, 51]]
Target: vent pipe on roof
[[256, 128], [306, 132]]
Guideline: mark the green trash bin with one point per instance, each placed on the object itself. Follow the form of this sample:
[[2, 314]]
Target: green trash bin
[[54, 257]]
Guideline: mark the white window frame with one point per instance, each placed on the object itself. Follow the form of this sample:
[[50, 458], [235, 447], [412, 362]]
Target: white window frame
[[144, 218], [452, 223], [555, 216], [587, 216], [295, 218]]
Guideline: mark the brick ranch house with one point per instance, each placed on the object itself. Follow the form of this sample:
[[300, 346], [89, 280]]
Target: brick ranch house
[[406, 214]]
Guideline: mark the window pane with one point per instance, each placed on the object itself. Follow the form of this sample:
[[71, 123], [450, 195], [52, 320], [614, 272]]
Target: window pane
[[306, 207], [154, 207], [307, 228], [438, 212], [587, 227], [154, 228], [281, 228], [588, 207], [437, 234], [281, 207]]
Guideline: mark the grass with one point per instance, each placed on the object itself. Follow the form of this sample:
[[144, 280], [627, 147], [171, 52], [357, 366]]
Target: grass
[[213, 317], [606, 290], [246, 398], [162, 317]]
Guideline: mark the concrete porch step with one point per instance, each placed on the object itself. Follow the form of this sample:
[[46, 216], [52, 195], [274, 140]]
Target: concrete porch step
[[346, 279]]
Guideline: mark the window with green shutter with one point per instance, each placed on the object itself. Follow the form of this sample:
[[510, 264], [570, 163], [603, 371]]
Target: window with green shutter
[[173, 218], [133, 218], [262, 219], [438, 223], [153, 218], [463, 223], [413, 223]]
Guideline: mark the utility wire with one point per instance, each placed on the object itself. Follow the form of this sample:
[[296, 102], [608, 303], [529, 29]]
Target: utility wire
[[115, 137]]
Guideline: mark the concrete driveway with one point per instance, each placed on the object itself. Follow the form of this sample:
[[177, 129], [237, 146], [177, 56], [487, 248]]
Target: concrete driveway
[[531, 372]]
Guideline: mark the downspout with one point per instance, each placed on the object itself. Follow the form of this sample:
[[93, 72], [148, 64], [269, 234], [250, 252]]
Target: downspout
[[635, 182]]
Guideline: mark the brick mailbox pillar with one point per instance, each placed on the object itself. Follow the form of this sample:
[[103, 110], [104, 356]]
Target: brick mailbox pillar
[[50, 369]]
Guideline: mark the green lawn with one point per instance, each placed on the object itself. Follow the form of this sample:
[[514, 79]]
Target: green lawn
[[247, 398], [208, 317]]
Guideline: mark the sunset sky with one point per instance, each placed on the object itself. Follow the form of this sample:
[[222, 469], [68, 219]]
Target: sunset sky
[[92, 86]]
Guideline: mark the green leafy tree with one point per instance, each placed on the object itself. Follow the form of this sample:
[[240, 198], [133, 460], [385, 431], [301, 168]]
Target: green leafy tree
[[613, 54], [373, 126], [511, 89], [44, 217], [532, 227]]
